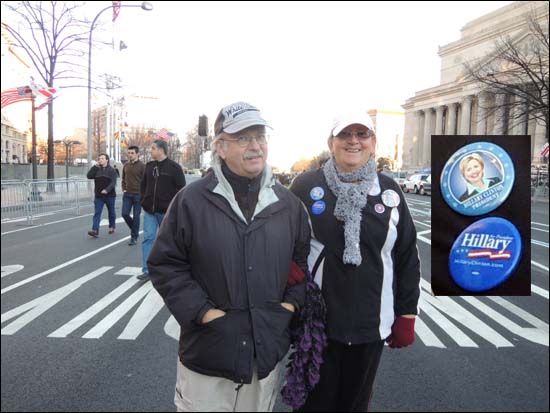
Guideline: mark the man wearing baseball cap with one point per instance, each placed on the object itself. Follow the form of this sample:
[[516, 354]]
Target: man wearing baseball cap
[[368, 268], [221, 261]]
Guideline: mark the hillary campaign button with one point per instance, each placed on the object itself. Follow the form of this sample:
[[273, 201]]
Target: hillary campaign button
[[390, 198], [317, 193], [477, 178], [318, 207], [485, 254]]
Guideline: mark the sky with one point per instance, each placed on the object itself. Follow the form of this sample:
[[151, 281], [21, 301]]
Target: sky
[[300, 63]]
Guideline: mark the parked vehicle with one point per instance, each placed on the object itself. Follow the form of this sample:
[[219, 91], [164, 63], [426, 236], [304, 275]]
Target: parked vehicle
[[415, 182], [426, 187], [398, 176]]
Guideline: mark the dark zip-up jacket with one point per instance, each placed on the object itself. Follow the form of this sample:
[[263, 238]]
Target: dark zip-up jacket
[[161, 182], [362, 302], [104, 178], [207, 256]]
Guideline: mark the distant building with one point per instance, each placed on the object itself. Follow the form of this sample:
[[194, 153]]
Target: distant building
[[452, 107]]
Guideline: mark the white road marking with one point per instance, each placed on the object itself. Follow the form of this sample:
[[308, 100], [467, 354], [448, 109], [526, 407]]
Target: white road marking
[[426, 335], [43, 225], [42, 274], [129, 271], [148, 309], [38, 306], [11, 269], [92, 311]]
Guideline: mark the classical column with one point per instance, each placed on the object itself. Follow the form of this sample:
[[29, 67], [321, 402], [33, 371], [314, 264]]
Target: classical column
[[500, 114], [451, 115], [520, 117], [481, 114], [427, 136], [417, 139], [465, 119], [439, 120]]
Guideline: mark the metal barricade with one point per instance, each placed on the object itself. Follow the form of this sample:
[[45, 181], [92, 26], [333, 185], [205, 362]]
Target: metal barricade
[[31, 198]]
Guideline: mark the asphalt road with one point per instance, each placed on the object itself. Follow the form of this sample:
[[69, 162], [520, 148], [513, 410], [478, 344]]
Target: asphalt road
[[79, 333]]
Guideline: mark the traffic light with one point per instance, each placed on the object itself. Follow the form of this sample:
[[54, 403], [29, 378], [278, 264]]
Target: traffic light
[[203, 125]]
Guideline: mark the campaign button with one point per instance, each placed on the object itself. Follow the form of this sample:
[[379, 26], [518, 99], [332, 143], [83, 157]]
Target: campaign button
[[485, 254], [317, 193], [390, 198], [477, 178], [318, 207]]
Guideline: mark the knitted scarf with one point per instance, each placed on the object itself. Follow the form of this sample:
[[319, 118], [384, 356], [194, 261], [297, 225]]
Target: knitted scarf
[[351, 190]]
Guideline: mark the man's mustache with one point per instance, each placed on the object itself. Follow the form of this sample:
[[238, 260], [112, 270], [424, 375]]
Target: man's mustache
[[252, 154]]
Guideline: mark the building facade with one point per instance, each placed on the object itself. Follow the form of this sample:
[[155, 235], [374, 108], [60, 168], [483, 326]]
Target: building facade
[[457, 106]]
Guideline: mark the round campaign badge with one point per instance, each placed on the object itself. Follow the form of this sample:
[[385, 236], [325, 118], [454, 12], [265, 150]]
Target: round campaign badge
[[390, 198], [477, 178], [317, 193], [379, 208], [485, 254], [318, 207]]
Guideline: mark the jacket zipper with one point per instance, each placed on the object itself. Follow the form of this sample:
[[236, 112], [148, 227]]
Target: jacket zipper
[[155, 189]]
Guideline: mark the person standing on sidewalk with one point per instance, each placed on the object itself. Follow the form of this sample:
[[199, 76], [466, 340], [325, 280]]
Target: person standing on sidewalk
[[162, 180], [368, 266], [104, 177], [132, 175]]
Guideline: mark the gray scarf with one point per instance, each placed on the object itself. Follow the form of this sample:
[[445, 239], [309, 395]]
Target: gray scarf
[[351, 190]]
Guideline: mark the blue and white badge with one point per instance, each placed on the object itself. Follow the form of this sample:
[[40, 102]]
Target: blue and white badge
[[317, 193], [318, 207], [390, 198], [485, 255], [477, 179]]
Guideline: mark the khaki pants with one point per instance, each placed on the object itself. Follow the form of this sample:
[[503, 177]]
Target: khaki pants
[[199, 393]]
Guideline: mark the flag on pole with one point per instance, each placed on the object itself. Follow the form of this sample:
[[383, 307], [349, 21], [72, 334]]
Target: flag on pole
[[163, 134], [545, 150], [16, 94], [46, 103], [116, 9]]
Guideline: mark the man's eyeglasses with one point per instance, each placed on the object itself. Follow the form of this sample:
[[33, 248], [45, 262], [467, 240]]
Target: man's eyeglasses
[[362, 135], [244, 141]]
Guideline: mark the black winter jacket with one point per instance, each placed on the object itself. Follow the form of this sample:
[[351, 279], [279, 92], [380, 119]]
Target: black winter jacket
[[104, 178], [362, 302], [161, 182], [206, 256]]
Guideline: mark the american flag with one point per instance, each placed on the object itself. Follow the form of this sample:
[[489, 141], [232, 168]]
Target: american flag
[[116, 9], [16, 94], [163, 134], [545, 150], [46, 103]]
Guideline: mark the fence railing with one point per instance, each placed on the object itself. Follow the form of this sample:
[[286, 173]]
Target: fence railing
[[539, 183], [29, 198]]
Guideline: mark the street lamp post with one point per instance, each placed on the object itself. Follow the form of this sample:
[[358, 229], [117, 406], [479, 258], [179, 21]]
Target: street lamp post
[[68, 144], [145, 6]]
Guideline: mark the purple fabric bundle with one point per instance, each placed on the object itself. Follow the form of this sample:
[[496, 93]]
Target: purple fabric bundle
[[309, 341]]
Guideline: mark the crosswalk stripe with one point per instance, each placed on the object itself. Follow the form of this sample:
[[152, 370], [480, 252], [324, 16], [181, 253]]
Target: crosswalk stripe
[[148, 309], [110, 320], [446, 325], [426, 335], [41, 304], [83, 317]]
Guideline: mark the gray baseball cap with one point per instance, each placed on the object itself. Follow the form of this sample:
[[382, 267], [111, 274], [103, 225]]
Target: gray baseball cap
[[238, 116]]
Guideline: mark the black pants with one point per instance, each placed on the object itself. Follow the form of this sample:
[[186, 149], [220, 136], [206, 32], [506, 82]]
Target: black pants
[[347, 377]]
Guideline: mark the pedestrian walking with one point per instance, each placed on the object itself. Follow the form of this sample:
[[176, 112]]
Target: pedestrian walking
[[132, 175], [162, 180], [104, 177]]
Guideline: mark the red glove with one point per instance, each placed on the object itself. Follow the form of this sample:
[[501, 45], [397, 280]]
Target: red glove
[[296, 275], [402, 332]]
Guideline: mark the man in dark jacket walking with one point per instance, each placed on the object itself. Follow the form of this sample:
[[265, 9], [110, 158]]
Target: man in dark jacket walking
[[104, 177], [162, 180], [221, 262]]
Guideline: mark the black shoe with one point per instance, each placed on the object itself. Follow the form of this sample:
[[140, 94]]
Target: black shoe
[[93, 233], [143, 277], [132, 241]]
